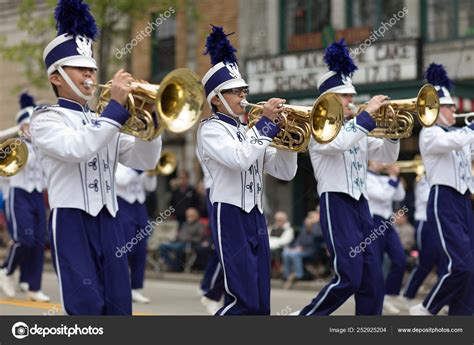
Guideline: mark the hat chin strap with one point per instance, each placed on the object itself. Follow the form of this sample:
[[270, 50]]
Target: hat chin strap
[[443, 120], [72, 85], [226, 105]]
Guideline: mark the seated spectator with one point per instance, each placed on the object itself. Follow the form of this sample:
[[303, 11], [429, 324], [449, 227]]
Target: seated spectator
[[191, 235], [293, 255], [280, 233]]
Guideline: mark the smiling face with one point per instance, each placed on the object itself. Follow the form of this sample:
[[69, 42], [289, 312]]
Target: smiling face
[[78, 75], [233, 97]]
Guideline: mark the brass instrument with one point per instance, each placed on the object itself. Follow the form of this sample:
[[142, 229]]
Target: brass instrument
[[323, 121], [179, 100], [412, 166], [166, 165], [13, 152], [468, 117], [395, 120]]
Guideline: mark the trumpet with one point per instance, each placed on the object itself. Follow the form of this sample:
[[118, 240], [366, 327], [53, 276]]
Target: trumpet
[[179, 100], [13, 152], [395, 120], [411, 166], [468, 117], [323, 121], [166, 165]]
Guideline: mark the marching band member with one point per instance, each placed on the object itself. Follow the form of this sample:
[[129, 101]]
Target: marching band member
[[340, 169], [383, 191], [446, 155], [236, 158], [26, 215], [427, 242], [80, 153], [212, 284], [132, 215]]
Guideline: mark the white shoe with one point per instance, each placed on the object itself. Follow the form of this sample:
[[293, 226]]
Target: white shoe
[[8, 284], [389, 305], [137, 297], [24, 287], [38, 296], [211, 306], [420, 310]]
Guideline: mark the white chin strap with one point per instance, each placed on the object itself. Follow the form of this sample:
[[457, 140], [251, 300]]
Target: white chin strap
[[443, 120], [226, 105], [72, 85]]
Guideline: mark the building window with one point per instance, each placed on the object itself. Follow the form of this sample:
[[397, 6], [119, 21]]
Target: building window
[[377, 13], [163, 49], [306, 16], [466, 18], [450, 19]]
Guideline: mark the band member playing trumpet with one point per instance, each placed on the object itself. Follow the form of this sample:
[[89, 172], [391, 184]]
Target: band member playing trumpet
[[383, 191], [236, 158], [340, 169], [26, 216], [80, 153], [446, 154], [132, 215]]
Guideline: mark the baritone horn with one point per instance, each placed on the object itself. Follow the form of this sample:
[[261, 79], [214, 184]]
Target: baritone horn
[[166, 165], [396, 119], [411, 166], [468, 117], [179, 100], [13, 152], [323, 121]]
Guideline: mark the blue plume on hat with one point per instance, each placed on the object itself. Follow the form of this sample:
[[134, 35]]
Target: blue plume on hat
[[73, 17], [338, 59], [218, 46], [436, 75], [26, 100]]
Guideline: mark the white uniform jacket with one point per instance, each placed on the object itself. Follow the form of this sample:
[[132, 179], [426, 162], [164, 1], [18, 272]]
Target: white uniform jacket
[[447, 156], [383, 191], [132, 184], [341, 165], [80, 152], [31, 177], [236, 158]]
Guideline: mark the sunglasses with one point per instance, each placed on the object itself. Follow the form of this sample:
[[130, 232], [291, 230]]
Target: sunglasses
[[237, 90]]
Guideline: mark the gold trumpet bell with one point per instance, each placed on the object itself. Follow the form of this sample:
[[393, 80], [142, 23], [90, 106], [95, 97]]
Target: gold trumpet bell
[[13, 157], [427, 105], [166, 165], [327, 114], [181, 100]]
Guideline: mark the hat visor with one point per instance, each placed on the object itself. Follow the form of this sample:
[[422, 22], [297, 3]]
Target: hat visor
[[446, 101], [233, 83], [80, 61], [345, 89]]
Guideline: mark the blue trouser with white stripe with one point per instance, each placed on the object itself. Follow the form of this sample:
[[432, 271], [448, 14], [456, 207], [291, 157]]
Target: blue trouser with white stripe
[[92, 270], [213, 281], [348, 231], [241, 241], [390, 243], [429, 256], [450, 213], [27, 217], [133, 218]]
